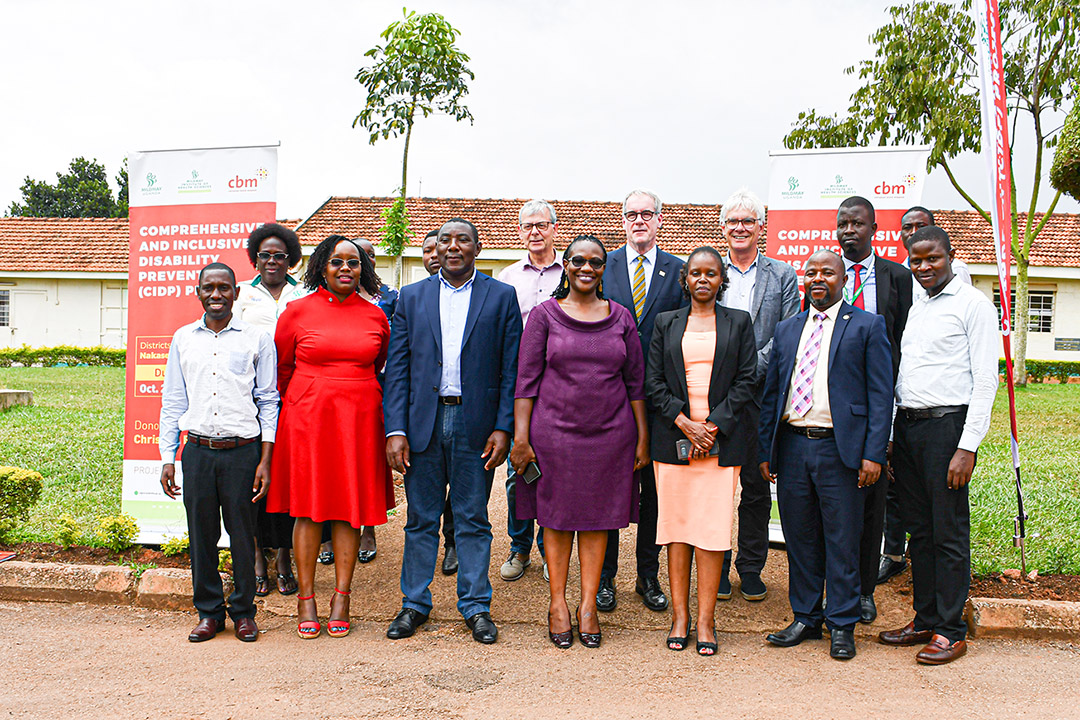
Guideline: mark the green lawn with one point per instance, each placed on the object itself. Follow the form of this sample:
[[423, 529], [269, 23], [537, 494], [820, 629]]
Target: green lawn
[[72, 436]]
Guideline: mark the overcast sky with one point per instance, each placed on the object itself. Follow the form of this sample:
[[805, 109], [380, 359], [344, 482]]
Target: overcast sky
[[573, 99]]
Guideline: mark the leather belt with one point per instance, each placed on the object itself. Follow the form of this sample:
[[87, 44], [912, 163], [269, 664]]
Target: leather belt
[[927, 413], [228, 443], [450, 399], [814, 433]]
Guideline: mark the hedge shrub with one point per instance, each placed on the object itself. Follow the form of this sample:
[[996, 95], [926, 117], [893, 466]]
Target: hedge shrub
[[19, 491], [1040, 370], [62, 355]]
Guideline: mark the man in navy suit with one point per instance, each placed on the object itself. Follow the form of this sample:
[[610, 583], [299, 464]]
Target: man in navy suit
[[645, 280], [449, 408], [824, 431]]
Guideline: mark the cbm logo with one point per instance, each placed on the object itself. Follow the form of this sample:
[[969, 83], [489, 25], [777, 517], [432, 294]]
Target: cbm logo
[[239, 183], [884, 188]]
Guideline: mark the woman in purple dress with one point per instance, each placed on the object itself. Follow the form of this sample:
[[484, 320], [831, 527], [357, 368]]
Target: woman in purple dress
[[580, 415]]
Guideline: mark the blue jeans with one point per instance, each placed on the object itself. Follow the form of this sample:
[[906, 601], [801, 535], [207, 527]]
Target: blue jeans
[[520, 531], [448, 459]]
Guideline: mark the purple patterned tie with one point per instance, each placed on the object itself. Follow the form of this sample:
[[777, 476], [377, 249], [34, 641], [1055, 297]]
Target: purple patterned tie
[[804, 382]]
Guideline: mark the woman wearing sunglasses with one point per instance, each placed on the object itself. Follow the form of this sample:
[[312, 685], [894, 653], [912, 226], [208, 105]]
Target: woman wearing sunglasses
[[273, 251], [329, 463], [580, 416]]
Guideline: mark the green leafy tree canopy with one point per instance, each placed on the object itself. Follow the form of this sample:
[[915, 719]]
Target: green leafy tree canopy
[[83, 191], [921, 87]]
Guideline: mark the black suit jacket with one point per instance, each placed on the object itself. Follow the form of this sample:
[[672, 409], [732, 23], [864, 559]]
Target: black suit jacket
[[665, 292], [893, 302], [731, 387]]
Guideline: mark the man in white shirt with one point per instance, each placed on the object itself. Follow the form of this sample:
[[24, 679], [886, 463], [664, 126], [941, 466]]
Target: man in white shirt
[[916, 218], [534, 278], [945, 392], [221, 387]]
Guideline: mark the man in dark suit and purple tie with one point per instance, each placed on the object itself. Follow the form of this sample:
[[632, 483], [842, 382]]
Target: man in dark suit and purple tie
[[823, 434]]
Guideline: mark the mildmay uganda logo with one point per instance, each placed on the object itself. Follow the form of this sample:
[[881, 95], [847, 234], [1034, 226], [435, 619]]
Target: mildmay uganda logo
[[792, 183], [151, 180], [793, 192], [152, 187]]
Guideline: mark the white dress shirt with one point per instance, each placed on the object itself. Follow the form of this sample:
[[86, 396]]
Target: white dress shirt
[[949, 356], [740, 291], [820, 413], [453, 312], [219, 385], [868, 280], [259, 308], [632, 256]]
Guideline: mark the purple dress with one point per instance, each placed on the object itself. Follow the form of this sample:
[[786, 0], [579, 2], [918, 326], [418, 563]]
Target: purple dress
[[583, 376]]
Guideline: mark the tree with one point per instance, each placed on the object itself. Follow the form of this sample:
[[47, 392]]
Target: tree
[[418, 69], [921, 87], [122, 193], [81, 192], [1065, 172]]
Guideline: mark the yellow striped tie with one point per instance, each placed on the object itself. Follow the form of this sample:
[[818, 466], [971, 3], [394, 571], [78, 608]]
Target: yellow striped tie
[[639, 286]]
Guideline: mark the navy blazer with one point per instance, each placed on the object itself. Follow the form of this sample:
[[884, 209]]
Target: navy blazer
[[665, 292], [489, 353], [860, 385], [893, 285]]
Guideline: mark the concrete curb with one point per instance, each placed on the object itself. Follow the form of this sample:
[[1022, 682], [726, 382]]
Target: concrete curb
[[1010, 618]]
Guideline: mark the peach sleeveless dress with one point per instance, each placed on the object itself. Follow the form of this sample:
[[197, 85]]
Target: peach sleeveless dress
[[695, 501]]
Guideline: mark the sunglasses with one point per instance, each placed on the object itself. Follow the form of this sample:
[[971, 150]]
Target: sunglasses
[[579, 261], [280, 257], [353, 263]]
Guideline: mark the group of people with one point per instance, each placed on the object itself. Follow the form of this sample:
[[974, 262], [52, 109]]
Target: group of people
[[620, 388]]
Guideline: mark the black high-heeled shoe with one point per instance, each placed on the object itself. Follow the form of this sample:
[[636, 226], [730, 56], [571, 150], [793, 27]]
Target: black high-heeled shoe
[[706, 649], [589, 640], [561, 640], [677, 643]]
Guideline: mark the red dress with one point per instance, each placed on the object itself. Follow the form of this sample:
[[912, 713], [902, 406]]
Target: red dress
[[330, 455]]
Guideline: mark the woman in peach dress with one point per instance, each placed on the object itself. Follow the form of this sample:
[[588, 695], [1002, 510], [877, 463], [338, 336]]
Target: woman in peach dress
[[700, 380]]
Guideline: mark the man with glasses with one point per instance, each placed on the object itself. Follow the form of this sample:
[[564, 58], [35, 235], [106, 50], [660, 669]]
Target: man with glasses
[[534, 279], [645, 280], [769, 290]]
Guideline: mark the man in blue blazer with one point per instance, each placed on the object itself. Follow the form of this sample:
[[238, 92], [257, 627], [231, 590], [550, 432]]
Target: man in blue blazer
[[823, 435], [645, 280], [448, 402]]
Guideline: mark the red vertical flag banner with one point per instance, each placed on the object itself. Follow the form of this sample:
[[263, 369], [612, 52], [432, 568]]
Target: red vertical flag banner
[[188, 208], [995, 147]]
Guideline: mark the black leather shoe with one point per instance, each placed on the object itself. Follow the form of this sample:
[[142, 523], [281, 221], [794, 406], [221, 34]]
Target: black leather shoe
[[449, 560], [794, 634], [405, 624], [483, 628], [867, 609], [843, 644], [605, 596], [890, 568], [651, 594]]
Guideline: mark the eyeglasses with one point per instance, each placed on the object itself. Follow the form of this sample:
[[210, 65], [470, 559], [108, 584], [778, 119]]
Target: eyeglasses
[[579, 261], [280, 257], [353, 263], [541, 226], [736, 222], [645, 215]]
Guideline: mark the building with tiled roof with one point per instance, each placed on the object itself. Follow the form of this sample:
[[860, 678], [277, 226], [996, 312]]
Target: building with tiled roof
[[81, 264]]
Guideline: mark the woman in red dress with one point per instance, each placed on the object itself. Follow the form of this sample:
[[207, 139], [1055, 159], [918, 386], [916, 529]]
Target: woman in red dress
[[329, 462]]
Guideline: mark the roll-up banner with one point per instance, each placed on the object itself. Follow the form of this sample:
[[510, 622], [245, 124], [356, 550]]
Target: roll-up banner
[[806, 188], [188, 208]]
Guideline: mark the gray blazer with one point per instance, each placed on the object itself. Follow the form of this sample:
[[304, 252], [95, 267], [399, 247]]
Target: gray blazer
[[776, 298]]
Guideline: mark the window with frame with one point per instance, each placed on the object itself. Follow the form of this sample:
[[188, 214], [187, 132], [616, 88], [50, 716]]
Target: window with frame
[[5, 308], [1040, 309]]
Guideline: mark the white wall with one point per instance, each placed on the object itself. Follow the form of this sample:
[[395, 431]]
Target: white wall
[[46, 312]]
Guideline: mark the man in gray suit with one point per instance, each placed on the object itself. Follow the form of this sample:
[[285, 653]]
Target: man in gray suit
[[769, 290]]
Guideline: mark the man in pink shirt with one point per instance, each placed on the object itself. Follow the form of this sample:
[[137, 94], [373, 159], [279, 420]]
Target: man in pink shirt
[[534, 278]]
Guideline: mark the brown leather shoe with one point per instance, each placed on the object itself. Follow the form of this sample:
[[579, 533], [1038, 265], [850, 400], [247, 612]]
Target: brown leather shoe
[[905, 636], [941, 651], [206, 629], [246, 629]]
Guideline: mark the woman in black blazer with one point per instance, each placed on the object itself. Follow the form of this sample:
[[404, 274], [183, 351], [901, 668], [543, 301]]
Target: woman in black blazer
[[699, 381]]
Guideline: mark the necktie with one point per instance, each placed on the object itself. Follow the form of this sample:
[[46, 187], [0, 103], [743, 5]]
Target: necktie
[[804, 383], [639, 286], [858, 302]]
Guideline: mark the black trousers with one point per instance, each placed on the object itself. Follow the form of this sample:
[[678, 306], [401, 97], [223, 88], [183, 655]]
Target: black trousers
[[755, 509], [648, 552], [873, 527], [938, 519], [895, 533], [217, 488]]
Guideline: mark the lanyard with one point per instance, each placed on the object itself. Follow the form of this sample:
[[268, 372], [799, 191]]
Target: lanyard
[[862, 286]]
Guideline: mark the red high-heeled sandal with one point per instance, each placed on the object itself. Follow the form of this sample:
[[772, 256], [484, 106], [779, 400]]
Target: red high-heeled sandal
[[337, 628], [308, 629]]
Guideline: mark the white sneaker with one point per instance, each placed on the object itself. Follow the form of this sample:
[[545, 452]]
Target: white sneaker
[[514, 567]]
